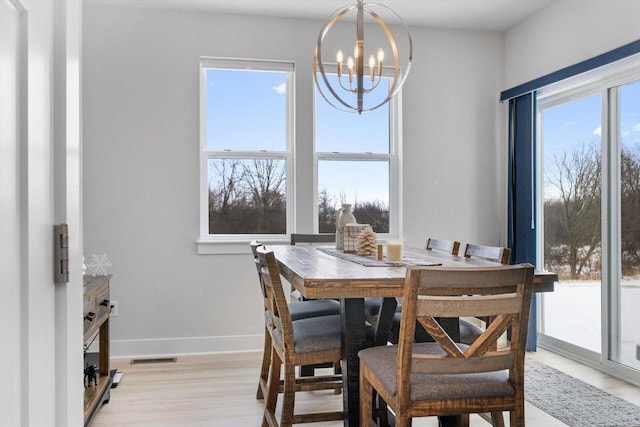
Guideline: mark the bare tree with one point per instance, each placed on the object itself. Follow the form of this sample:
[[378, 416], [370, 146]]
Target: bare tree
[[265, 180], [224, 195], [326, 212], [630, 205], [247, 196], [577, 176]]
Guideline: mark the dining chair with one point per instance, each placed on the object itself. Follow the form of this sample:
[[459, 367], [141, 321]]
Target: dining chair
[[491, 253], [445, 378], [297, 311], [450, 246], [297, 296], [310, 341], [313, 238]]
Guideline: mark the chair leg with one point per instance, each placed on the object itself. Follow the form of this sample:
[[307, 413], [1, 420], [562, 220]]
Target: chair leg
[[497, 420], [272, 390], [288, 395], [463, 420], [337, 370], [366, 399], [403, 420], [264, 369], [382, 411], [516, 417]]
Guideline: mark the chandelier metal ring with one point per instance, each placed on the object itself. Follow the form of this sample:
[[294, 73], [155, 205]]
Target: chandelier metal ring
[[399, 74]]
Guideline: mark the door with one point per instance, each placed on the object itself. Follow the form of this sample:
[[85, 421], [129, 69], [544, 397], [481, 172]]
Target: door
[[10, 208], [40, 321], [571, 157], [589, 152]]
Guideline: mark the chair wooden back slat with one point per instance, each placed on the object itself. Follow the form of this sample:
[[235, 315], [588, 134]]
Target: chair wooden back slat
[[488, 305], [502, 292], [312, 238], [450, 246], [492, 253]]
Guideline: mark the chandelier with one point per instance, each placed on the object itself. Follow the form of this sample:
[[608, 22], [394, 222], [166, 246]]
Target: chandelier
[[344, 85]]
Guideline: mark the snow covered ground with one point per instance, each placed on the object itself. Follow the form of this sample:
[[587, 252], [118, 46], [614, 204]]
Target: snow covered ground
[[572, 313]]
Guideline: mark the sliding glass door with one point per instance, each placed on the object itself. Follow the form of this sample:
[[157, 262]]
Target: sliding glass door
[[571, 158], [625, 290], [589, 205]]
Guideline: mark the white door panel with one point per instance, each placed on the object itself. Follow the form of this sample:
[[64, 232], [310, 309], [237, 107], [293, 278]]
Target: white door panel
[[10, 224]]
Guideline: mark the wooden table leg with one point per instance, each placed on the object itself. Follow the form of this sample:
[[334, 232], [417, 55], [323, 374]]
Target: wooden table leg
[[385, 320], [353, 340]]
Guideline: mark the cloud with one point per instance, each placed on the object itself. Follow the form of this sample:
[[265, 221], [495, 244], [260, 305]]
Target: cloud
[[281, 88], [598, 131], [636, 127]]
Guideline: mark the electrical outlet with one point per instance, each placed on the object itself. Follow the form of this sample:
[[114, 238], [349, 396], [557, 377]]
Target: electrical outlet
[[114, 309]]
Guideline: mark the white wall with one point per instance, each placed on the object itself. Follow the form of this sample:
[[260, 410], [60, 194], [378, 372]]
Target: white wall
[[140, 181], [568, 32]]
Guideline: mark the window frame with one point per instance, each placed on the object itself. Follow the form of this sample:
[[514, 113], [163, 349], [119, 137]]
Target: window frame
[[236, 243], [393, 157]]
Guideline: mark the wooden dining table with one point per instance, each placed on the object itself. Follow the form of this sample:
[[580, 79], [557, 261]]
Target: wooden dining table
[[315, 273]]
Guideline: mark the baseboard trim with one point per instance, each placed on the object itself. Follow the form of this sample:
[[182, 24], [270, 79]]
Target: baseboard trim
[[163, 347]]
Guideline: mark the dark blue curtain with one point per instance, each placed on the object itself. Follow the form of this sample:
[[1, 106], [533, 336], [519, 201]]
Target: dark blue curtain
[[522, 197], [522, 191]]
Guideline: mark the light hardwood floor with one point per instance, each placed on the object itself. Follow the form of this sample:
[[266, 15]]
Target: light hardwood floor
[[220, 389]]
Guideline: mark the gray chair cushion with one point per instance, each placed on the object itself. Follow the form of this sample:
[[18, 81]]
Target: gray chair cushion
[[469, 332], [318, 334], [313, 308], [382, 362], [313, 334]]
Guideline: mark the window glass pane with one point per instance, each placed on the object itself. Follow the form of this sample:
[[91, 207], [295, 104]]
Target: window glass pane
[[624, 330], [246, 110], [247, 196], [364, 184], [343, 132], [572, 220]]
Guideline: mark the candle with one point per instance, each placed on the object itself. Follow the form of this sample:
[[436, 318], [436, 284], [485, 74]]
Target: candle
[[394, 250]]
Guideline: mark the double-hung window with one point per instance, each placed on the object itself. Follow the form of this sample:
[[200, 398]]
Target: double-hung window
[[357, 162], [246, 148]]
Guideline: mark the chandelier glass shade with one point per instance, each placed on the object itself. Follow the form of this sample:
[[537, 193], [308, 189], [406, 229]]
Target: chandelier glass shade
[[354, 84]]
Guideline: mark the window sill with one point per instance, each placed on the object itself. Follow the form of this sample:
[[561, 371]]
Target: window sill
[[233, 247]]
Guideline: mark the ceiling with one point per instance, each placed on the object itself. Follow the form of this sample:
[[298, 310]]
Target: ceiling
[[491, 15]]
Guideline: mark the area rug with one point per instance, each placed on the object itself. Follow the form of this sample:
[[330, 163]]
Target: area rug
[[575, 402]]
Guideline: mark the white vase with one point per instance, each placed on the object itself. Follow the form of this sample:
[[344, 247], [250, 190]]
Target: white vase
[[345, 216]]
